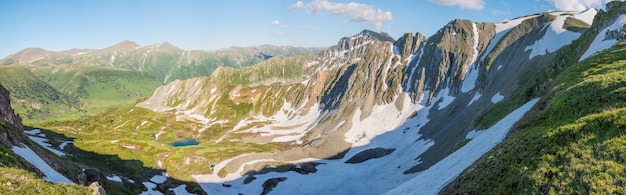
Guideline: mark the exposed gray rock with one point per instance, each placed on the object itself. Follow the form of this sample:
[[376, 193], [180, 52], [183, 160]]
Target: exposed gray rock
[[369, 154]]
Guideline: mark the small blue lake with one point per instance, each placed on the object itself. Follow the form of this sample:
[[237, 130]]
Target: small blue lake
[[185, 142]]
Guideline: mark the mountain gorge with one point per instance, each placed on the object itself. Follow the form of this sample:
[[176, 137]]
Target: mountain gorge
[[369, 115]]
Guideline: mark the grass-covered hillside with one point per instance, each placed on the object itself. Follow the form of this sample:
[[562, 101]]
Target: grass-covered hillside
[[48, 93], [573, 142], [16, 179]]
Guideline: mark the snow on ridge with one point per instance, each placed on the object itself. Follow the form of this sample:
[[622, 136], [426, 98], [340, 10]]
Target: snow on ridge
[[554, 38], [471, 72], [599, 43], [506, 25], [50, 174], [433, 179], [587, 15]]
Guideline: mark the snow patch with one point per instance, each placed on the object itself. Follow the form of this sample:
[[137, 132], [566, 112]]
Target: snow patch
[[288, 124], [32, 132], [115, 178], [159, 178], [473, 134], [180, 190], [50, 174], [150, 190], [382, 119], [476, 97], [587, 16], [43, 142], [445, 98], [433, 179], [497, 98], [62, 145]]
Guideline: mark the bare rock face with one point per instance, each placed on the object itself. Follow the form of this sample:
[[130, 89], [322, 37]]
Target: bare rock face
[[10, 122], [7, 113]]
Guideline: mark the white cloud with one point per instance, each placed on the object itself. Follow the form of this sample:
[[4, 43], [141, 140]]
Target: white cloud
[[284, 26], [355, 12], [577, 5], [280, 33], [297, 5], [464, 4], [275, 22], [309, 28]]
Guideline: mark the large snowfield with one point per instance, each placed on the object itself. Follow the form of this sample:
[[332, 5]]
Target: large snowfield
[[379, 175], [50, 174]]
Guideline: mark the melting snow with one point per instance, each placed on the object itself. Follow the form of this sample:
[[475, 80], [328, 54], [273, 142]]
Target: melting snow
[[599, 43], [476, 97], [150, 190], [159, 178], [497, 98], [44, 143], [32, 158], [473, 134], [62, 145], [439, 175], [180, 189], [287, 123], [445, 98], [337, 177], [115, 178], [32, 132]]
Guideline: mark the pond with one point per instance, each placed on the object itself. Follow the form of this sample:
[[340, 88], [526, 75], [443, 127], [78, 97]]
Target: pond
[[185, 142]]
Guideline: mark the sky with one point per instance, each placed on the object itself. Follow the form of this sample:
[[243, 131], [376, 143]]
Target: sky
[[218, 24]]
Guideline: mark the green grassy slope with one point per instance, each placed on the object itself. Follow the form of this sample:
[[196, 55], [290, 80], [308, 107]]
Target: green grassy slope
[[15, 179], [573, 142], [48, 93], [33, 98]]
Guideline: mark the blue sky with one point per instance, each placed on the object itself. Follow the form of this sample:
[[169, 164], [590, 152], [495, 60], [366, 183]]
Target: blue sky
[[213, 24]]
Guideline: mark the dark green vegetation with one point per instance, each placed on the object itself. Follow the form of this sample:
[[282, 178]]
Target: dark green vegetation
[[572, 142]]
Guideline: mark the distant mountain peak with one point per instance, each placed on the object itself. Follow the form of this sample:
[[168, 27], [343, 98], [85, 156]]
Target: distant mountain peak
[[165, 47], [381, 36], [123, 46]]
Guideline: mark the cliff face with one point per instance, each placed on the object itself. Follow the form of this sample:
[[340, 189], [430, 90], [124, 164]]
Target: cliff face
[[6, 111]]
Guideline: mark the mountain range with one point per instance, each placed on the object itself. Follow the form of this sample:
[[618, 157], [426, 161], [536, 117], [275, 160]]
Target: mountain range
[[369, 115]]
